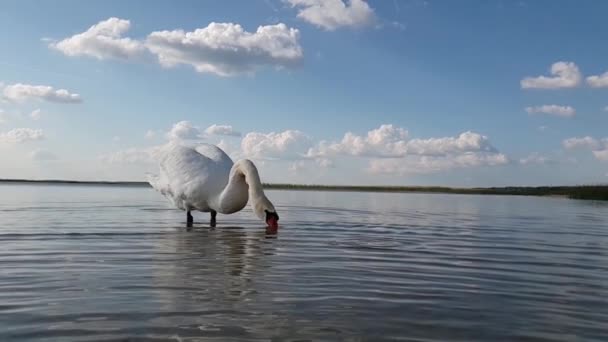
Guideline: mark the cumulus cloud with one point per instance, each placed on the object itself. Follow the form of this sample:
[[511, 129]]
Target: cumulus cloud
[[42, 155], [226, 49], [599, 147], [463, 143], [583, 142], [430, 164], [601, 154], [333, 14], [102, 41], [184, 130], [389, 141], [564, 75], [231, 150], [290, 144], [392, 152], [21, 92], [222, 130], [598, 81], [563, 111], [21, 135], [387, 149]]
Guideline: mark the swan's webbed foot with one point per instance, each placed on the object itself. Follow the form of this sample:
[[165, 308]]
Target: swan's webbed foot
[[189, 219], [213, 215]]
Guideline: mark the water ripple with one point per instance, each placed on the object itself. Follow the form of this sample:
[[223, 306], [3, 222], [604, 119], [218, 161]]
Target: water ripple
[[118, 264]]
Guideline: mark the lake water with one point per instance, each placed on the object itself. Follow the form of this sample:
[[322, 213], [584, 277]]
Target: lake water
[[86, 263]]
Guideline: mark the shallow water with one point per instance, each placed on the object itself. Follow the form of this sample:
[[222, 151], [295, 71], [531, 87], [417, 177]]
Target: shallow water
[[83, 263]]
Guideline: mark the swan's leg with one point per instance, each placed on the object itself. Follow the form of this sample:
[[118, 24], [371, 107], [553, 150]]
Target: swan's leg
[[213, 215], [190, 219]]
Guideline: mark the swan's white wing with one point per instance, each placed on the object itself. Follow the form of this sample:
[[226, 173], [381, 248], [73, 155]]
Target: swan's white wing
[[191, 177]]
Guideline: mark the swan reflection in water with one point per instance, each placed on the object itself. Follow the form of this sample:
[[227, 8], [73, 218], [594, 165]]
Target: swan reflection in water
[[209, 269]]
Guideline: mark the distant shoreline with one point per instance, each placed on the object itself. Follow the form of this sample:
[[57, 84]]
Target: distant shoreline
[[590, 192]]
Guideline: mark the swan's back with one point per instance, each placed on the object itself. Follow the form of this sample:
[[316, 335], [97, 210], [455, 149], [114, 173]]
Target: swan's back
[[190, 177]]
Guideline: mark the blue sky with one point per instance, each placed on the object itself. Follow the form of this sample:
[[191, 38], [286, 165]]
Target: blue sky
[[329, 91]]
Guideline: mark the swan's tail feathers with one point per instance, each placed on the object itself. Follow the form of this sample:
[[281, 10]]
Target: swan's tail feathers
[[161, 185], [154, 180]]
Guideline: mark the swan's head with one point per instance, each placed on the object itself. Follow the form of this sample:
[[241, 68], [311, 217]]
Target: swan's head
[[272, 220], [265, 210]]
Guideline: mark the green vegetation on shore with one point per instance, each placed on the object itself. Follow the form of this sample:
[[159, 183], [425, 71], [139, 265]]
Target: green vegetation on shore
[[592, 192], [588, 192]]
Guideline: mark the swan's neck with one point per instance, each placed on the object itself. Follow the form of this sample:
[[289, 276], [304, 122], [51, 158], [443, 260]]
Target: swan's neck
[[244, 182]]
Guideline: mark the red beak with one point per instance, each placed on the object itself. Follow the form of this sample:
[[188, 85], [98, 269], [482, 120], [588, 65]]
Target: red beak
[[273, 223], [272, 220]]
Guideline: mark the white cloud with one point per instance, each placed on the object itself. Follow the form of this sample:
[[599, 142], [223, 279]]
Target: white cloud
[[132, 156], [102, 41], [333, 14], [222, 130], [465, 142], [20, 92], [387, 148], [184, 130], [563, 111], [21, 135], [2, 116], [289, 144], [564, 75], [392, 152], [430, 164], [601, 154], [35, 114], [42, 155], [389, 141], [150, 134], [226, 49], [229, 149], [584, 142], [599, 147], [598, 81]]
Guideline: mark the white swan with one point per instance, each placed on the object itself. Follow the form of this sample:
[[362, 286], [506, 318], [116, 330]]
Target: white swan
[[204, 178]]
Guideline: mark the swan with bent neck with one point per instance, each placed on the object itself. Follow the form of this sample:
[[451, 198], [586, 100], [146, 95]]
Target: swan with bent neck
[[204, 178]]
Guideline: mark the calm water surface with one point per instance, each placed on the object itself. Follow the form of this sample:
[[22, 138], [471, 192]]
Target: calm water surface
[[80, 263]]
